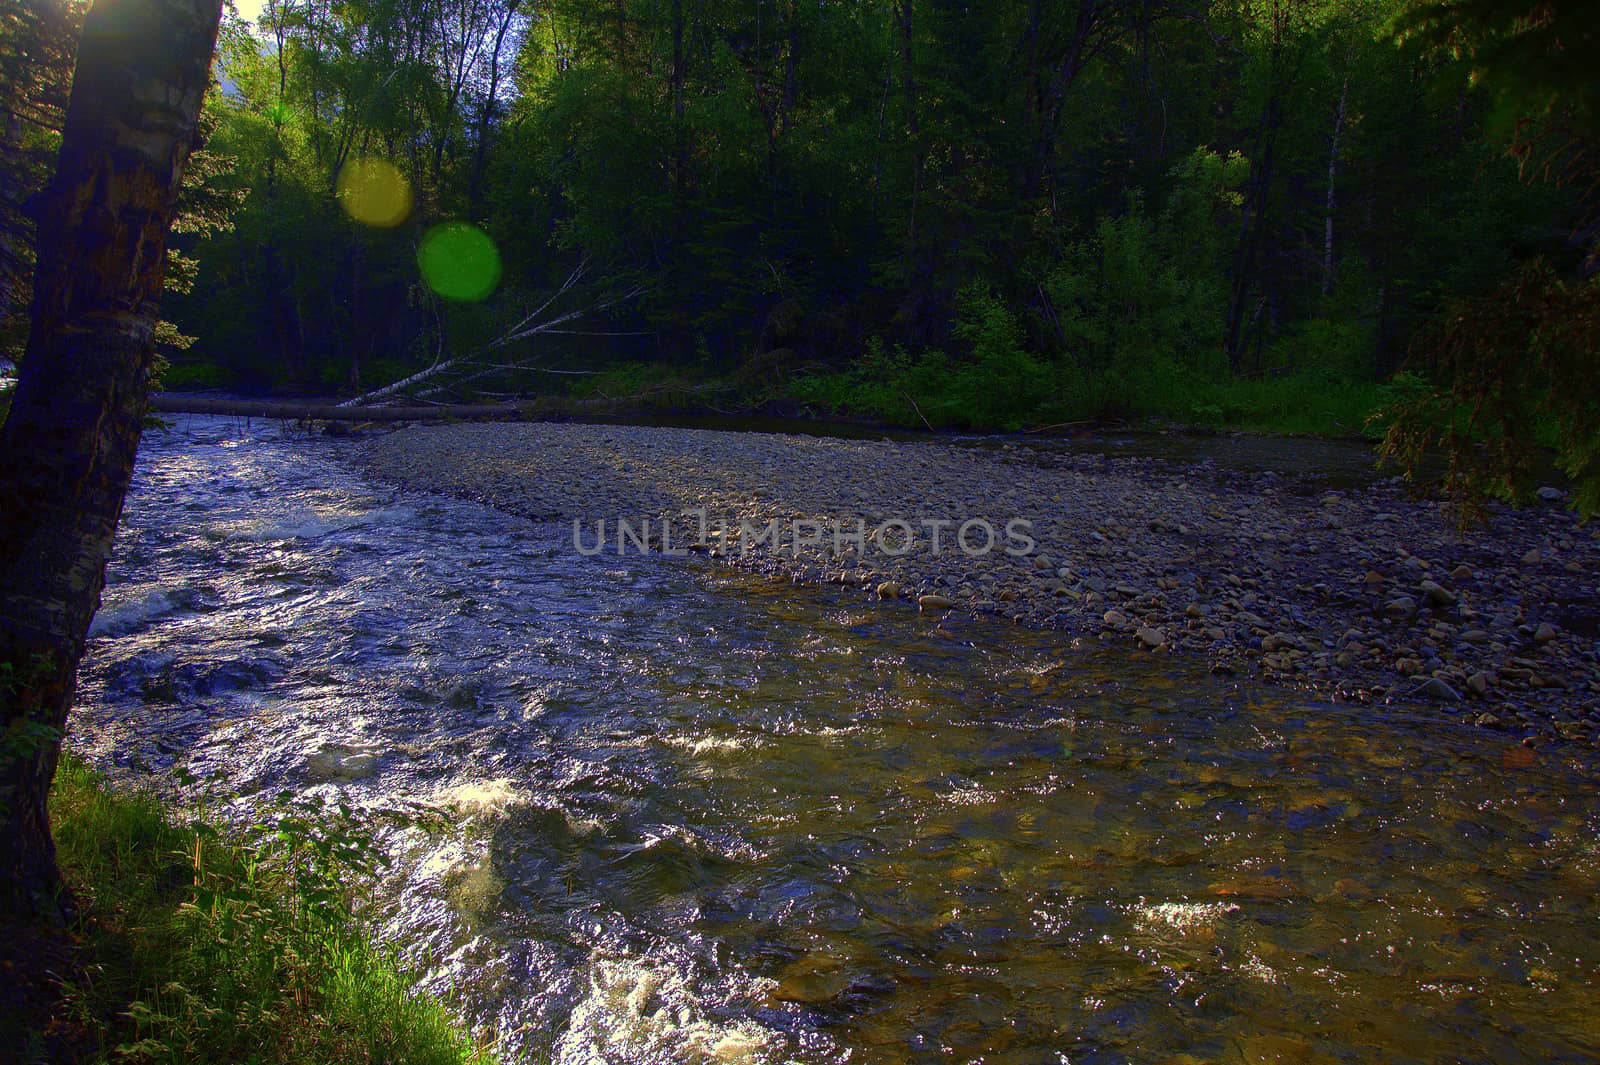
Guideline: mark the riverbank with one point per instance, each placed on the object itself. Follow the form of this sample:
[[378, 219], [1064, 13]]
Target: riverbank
[[190, 948], [1358, 594]]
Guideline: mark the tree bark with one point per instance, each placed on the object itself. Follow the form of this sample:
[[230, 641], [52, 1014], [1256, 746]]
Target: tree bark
[[68, 446], [1333, 169]]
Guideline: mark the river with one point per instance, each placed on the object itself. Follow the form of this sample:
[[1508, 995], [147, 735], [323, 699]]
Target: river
[[647, 810]]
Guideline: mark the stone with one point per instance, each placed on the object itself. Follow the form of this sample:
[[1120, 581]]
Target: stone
[[1403, 607], [1151, 637], [1437, 594], [1532, 558], [934, 602], [1551, 495], [1462, 572], [888, 590], [1434, 688], [1544, 633], [1478, 683], [1374, 577]]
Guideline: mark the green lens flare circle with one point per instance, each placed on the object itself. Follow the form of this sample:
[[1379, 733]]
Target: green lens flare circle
[[459, 261]]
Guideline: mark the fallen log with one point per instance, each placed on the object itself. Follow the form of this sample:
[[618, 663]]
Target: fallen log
[[174, 403]]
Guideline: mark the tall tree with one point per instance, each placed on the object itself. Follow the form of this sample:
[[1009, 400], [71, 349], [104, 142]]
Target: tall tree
[[68, 445]]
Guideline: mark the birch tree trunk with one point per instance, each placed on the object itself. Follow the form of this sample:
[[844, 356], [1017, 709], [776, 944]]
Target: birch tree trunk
[[1333, 166], [67, 448]]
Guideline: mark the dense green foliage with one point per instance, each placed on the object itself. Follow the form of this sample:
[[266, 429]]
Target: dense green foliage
[[205, 949], [1526, 354], [1019, 214]]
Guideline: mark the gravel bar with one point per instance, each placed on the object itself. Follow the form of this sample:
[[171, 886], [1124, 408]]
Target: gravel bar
[[1357, 594]]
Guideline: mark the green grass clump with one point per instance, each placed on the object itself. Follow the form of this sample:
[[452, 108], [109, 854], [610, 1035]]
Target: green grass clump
[[999, 393], [203, 948]]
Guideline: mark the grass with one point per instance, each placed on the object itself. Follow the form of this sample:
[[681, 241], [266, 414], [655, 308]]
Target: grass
[[932, 391], [198, 947], [1301, 405]]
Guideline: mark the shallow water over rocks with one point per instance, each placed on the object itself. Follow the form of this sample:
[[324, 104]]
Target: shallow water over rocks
[[648, 810]]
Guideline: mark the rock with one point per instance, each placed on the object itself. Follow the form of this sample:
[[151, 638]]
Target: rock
[[934, 602], [1551, 495], [1115, 619], [1544, 633], [1403, 607], [888, 590], [1437, 594], [1478, 683], [1352, 889], [1532, 558], [1374, 577], [1265, 888], [1462, 572], [1278, 640], [1434, 688], [1151, 638]]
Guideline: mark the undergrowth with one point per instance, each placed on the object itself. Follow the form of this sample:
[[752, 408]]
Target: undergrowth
[[202, 947]]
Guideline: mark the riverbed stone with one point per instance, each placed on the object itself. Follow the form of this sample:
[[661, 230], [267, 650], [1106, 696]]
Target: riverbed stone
[[1402, 607], [1259, 560], [1437, 594], [1434, 688]]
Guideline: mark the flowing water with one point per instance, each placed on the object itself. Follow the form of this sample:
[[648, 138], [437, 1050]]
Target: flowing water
[[694, 816]]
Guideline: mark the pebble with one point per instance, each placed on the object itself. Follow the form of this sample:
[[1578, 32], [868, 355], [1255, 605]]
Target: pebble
[[1403, 607], [1434, 688], [1437, 594], [1258, 580]]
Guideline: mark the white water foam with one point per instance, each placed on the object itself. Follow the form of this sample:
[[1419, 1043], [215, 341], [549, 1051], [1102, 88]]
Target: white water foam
[[131, 609], [642, 1010]]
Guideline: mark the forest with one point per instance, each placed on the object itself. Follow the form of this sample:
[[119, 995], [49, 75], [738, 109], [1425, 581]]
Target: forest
[[1259, 720], [1008, 215]]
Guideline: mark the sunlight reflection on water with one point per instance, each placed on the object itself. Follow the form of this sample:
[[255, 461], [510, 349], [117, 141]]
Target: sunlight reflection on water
[[647, 811]]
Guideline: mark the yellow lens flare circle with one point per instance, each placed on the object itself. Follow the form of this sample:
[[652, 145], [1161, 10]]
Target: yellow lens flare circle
[[459, 261], [374, 193]]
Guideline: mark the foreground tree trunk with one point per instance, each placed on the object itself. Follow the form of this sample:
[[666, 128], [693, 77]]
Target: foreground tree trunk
[[67, 448]]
